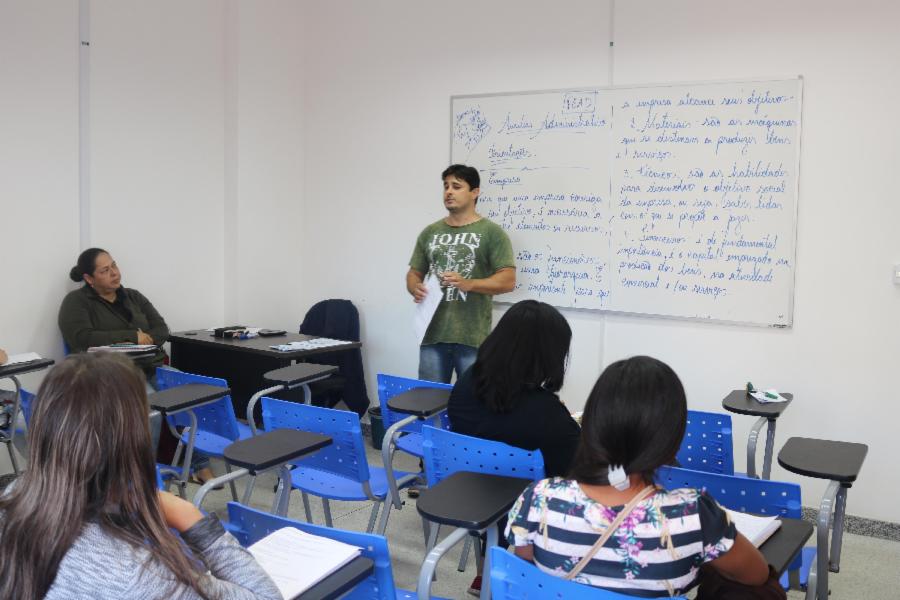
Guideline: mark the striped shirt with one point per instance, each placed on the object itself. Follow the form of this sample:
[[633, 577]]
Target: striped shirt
[[656, 552]]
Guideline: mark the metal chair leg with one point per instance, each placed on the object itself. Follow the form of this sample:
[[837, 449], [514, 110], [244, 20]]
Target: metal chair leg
[[231, 483], [374, 513], [464, 555], [308, 512], [326, 507]]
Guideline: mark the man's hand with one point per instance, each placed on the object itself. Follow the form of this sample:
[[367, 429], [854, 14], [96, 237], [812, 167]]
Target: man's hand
[[180, 514], [144, 338], [454, 279], [419, 292]]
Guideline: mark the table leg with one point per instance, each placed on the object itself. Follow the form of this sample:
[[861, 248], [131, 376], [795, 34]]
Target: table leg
[[770, 449], [837, 533], [822, 559], [423, 589], [751, 447]]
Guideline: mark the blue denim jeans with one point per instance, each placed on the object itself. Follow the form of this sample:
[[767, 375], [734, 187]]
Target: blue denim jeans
[[437, 362]]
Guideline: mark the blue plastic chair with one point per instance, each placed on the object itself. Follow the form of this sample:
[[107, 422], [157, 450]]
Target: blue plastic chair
[[744, 494], [217, 426], [339, 471], [515, 579], [249, 526], [391, 385], [707, 445]]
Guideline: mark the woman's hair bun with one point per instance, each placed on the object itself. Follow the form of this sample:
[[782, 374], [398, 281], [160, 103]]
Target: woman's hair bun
[[75, 274]]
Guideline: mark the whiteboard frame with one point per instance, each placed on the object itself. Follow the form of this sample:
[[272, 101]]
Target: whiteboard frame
[[793, 282]]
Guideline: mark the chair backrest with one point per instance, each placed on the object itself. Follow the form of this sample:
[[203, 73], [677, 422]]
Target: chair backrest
[[447, 452], [515, 579], [217, 417], [249, 526], [345, 456], [391, 385], [707, 444], [760, 496]]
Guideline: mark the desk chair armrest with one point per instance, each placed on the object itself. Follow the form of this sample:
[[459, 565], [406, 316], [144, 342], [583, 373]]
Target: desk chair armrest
[[387, 457], [251, 405], [210, 484]]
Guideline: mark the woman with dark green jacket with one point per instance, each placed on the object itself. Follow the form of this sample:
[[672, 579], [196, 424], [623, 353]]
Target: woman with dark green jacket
[[103, 312]]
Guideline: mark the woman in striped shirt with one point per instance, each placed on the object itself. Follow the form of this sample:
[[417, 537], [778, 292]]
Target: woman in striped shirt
[[633, 423]]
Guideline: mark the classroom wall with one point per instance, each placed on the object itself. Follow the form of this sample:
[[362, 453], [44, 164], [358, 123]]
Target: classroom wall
[[378, 81], [38, 170]]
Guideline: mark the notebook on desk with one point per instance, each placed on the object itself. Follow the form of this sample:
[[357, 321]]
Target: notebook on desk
[[296, 560], [755, 528], [124, 348]]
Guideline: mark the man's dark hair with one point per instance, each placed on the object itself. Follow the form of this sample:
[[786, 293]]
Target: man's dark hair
[[468, 174], [527, 350], [635, 417]]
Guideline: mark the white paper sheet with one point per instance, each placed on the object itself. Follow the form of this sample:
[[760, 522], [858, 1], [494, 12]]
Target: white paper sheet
[[15, 359], [426, 308], [755, 528], [296, 560]]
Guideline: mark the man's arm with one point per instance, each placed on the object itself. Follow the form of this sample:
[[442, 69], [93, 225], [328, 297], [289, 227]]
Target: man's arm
[[415, 285], [504, 280]]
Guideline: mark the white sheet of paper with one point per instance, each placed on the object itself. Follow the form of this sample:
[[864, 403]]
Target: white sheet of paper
[[296, 560], [755, 528], [426, 308], [15, 359], [762, 398]]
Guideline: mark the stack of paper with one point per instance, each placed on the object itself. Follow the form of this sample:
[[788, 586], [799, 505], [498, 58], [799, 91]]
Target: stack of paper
[[296, 560], [124, 347], [770, 395], [15, 359], [313, 344], [754, 528]]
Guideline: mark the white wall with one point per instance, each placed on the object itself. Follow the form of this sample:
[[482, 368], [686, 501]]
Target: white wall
[[379, 77], [38, 170], [378, 81]]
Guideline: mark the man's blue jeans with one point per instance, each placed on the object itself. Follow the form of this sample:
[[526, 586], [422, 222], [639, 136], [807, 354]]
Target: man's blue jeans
[[437, 362]]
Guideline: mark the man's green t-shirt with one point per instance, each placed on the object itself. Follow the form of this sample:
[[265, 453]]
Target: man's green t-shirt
[[475, 251]]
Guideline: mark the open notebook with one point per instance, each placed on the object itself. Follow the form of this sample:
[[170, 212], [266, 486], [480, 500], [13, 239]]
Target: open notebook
[[756, 529], [296, 560]]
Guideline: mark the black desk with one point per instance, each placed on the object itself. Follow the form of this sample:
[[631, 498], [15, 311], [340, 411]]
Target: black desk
[[742, 403], [12, 372], [341, 581], [826, 459], [288, 378], [180, 399], [262, 452], [780, 549], [240, 362], [470, 502]]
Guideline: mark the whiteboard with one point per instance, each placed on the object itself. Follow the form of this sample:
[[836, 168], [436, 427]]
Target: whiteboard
[[673, 200]]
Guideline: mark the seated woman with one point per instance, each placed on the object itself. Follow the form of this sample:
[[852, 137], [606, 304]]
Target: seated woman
[[103, 312], [633, 423], [86, 520], [509, 394]]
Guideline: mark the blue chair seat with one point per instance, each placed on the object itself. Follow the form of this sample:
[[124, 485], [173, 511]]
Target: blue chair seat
[[411, 443], [326, 485], [214, 444]]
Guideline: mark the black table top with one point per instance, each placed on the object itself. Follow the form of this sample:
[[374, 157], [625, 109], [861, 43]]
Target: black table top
[[273, 448], [257, 345], [470, 500], [299, 373], [25, 367], [341, 581], [186, 396], [742, 403], [422, 402], [825, 459], [780, 549]]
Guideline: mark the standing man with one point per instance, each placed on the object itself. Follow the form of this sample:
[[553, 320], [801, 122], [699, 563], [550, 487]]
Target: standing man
[[473, 260]]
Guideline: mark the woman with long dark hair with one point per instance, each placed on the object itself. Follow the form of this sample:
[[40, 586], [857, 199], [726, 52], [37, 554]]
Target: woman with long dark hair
[[608, 525], [509, 394], [85, 520]]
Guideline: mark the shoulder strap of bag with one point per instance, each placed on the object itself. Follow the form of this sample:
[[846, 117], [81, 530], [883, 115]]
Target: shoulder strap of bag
[[609, 531]]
